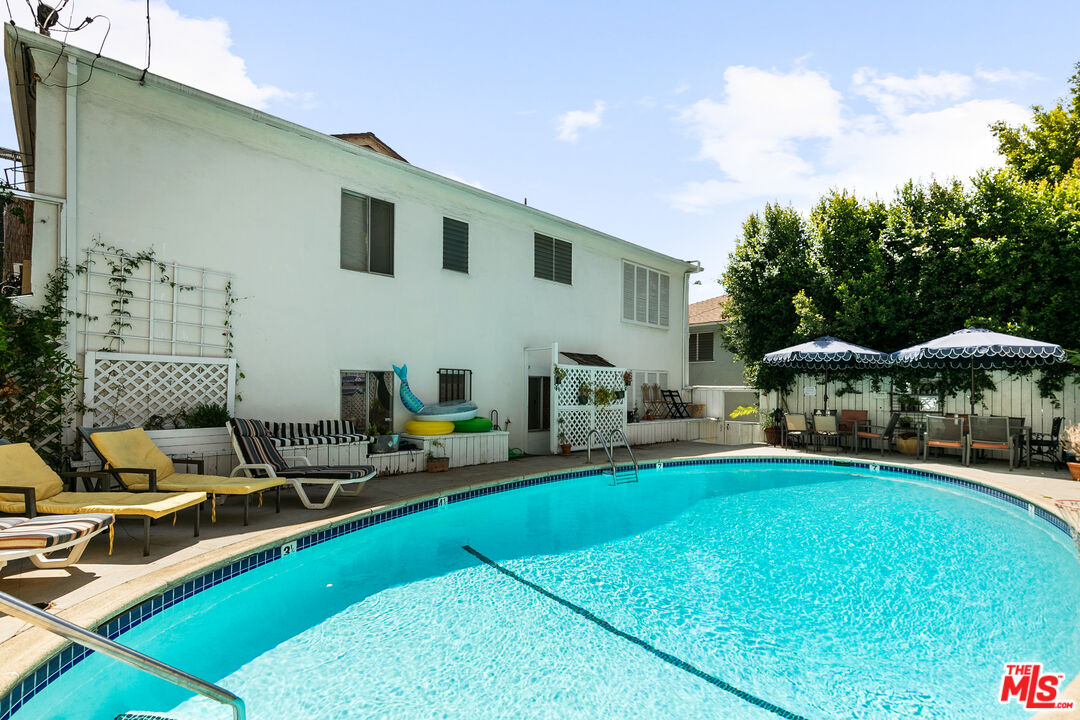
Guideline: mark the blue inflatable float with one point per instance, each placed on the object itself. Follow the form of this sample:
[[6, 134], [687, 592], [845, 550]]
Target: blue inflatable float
[[452, 411]]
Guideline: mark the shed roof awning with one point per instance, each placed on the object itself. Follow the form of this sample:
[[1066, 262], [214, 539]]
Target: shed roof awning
[[589, 359]]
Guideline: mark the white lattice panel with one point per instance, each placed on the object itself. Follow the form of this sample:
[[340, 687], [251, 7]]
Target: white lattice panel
[[577, 419], [123, 387]]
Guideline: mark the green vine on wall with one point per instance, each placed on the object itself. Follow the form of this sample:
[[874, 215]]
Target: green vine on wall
[[230, 304], [38, 380]]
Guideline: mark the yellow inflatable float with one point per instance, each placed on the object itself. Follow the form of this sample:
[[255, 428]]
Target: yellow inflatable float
[[429, 427]]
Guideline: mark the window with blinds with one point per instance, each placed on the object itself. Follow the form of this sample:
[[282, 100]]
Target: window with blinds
[[701, 347], [553, 259], [455, 245], [646, 295], [367, 234]]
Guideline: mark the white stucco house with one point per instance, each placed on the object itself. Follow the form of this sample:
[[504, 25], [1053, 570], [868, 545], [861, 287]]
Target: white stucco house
[[313, 261]]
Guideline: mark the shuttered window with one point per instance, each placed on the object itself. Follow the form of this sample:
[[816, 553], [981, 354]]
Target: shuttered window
[[367, 234], [646, 295], [701, 347], [553, 259], [455, 245]]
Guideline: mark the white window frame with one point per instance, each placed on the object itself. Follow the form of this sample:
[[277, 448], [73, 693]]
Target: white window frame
[[659, 305]]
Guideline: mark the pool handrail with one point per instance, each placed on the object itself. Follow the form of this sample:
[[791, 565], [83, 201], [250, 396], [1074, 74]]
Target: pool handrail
[[80, 635], [626, 441]]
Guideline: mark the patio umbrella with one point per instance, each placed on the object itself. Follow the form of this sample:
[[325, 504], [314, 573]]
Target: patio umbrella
[[976, 348], [826, 353]]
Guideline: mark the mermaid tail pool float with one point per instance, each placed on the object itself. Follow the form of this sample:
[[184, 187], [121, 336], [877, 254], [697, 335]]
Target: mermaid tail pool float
[[439, 412]]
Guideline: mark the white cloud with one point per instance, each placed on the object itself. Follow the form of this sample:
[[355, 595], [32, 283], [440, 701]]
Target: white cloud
[[791, 136], [1005, 75], [192, 51], [570, 123], [893, 94]]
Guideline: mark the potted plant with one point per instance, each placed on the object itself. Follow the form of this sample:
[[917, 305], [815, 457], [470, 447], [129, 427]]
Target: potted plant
[[628, 377], [584, 393], [907, 440], [559, 373], [564, 444], [437, 463], [1070, 443]]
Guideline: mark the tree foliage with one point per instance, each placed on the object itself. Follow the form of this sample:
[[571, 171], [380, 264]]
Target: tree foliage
[[1049, 147]]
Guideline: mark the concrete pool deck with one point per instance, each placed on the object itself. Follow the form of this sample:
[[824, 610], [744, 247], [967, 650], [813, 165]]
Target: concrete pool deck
[[100, 586]]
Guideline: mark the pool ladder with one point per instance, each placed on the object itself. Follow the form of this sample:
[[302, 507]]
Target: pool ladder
[[617, 478], [81, 636]]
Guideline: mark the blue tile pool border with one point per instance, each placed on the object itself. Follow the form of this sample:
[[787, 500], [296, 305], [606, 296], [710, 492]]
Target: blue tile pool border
[[71, 655]]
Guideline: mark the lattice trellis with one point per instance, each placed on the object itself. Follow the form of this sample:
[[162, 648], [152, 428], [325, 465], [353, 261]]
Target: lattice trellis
[[125, 387], [578, 419]]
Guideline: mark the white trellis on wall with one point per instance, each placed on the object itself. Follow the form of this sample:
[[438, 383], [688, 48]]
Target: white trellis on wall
[[172, 308], [574, 419], [127, 387]]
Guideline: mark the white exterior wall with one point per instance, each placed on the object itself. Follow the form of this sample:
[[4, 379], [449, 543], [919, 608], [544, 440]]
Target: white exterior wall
[[209, 184]]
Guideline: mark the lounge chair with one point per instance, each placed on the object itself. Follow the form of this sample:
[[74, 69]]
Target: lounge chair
[[260, 458], [36, 538], [135, 461], [29, 486], [991, 433], [827, 428], [795, 427], [945, 432], [878, 434]]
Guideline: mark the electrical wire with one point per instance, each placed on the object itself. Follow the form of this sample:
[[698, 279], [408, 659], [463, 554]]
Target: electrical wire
[[142, 78]]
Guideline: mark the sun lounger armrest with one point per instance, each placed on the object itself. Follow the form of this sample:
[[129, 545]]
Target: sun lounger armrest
[[29, 497], [268, 469], [148, 472], [199, 463], [73, 475], [301, 459]]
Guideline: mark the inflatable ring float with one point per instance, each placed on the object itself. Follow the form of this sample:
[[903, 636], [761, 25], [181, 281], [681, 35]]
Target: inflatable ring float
[[476, 425], [422, 427]]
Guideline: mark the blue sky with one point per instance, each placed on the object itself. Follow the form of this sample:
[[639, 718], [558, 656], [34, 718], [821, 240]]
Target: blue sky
[[664, 124]]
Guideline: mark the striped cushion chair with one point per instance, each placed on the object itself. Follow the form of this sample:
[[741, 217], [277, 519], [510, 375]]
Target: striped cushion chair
[[343, 431], [36, 537], [260, 458]]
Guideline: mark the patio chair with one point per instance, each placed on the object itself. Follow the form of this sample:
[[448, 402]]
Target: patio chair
[[827, 428], [1047, 446], [37, 538], [991, 433], [944, 433], [796, 428], [135, 461], [875, 433], [260, 458], [29, 486], [654, 401], [675, 406], [851, 421]]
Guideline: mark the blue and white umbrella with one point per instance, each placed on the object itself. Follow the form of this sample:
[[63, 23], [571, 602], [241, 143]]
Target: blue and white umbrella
[[976, 348], [827, 353]]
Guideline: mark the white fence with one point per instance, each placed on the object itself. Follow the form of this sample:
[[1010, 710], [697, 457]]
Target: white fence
[[127, 387], [1014, 397]]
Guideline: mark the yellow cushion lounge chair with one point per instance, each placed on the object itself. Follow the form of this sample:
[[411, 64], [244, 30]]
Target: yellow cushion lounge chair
[[35, 538], [29, 486], [133, 458]]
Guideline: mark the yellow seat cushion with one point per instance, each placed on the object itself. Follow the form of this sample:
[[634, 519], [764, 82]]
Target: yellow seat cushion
[[21, 466], [219, 484], [154, 505], [133, 449]]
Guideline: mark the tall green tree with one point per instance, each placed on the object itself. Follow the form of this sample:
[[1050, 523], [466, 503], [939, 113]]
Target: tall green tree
[[1049, 147]]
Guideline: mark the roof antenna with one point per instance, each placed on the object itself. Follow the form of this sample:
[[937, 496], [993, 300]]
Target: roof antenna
[[526, 201], [46, 18]]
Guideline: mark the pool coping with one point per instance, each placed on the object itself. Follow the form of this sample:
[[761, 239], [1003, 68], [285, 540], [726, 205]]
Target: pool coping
[[42, 657]]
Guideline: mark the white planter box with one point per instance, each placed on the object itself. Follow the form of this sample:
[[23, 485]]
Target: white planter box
[[469, 448]]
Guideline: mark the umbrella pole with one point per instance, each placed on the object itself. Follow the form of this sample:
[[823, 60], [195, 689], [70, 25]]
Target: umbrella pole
[[972, 395], [826, 390]]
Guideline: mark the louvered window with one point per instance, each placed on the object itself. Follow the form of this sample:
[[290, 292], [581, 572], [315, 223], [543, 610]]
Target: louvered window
[[553, 259], [701, 347], [646, 295], [455, 245], [367, 234]]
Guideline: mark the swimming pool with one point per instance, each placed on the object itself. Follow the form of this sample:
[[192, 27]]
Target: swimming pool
[[737, 589]]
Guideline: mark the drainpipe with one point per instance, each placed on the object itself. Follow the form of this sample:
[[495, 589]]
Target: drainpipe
[[69, 230], [686, 322]]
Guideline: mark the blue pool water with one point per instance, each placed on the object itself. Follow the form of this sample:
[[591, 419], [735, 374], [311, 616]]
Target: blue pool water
[[751, 590]]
